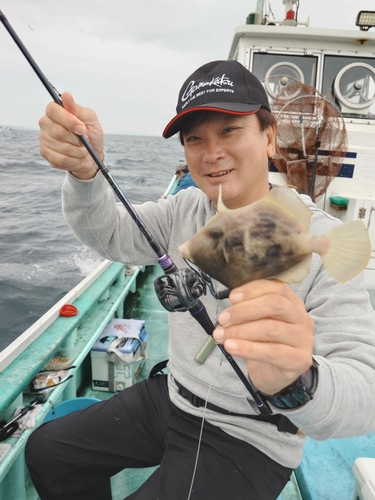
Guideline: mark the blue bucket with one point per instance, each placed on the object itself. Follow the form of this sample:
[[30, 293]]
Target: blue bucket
[[68, 406]]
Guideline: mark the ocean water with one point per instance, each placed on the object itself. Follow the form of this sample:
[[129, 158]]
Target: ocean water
[[40, 259]]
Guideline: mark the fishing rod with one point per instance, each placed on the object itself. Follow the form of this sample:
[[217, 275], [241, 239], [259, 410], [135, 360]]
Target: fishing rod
[[179, 290], [56, 96]]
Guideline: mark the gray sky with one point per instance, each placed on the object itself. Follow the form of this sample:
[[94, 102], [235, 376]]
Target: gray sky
[[127, 58]]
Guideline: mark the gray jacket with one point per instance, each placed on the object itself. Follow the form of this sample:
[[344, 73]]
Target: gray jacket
[[344, 402]]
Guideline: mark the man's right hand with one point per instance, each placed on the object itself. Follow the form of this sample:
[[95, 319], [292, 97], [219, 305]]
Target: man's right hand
[[59, 143]]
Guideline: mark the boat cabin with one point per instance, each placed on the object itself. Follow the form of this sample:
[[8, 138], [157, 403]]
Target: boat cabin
[[321, 86]]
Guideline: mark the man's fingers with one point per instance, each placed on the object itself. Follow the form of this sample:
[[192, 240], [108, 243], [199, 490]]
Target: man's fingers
[[69, 103], [63, 117], [59, 143], [62, 141], [60, 161], [267, 331], [263, 330], [71, 115], [259, 288], [273, 353], [268, 306], [85, 115]]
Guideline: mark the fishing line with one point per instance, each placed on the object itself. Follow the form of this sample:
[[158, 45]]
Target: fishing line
[[201, 430], [180, 290], [297, 9]]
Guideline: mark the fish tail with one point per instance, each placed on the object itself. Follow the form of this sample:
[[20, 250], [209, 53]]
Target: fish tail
[[349, 250]]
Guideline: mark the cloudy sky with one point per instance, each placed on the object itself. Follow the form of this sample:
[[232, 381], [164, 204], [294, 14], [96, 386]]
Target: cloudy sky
[[126, 58]]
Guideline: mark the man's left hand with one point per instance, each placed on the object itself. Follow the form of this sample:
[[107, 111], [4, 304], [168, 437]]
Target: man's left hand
[[268, 326]]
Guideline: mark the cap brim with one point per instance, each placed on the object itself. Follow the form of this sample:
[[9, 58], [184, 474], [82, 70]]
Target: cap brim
[[224, 107]]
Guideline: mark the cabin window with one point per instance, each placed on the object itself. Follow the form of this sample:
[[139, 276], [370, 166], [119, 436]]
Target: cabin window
[[277, 70], [349, 82]]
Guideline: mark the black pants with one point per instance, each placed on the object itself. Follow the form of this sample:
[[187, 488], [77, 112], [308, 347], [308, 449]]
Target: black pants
[[73, 457]]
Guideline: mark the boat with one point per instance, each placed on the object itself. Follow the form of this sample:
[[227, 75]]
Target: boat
[[335, 70], [112, 290], [314, 77]]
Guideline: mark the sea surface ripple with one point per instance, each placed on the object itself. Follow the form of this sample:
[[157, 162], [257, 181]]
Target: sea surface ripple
[[40, 259]]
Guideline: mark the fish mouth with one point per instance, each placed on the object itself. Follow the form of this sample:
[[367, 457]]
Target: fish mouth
[[184, 251], [215, 175]]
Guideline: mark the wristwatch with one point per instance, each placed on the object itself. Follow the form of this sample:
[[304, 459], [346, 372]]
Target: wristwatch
[[299, 392]]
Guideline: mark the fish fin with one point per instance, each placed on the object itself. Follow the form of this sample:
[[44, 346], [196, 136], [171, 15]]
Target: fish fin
[[349, 250], [220, 204], [296, 273], [289, 201]]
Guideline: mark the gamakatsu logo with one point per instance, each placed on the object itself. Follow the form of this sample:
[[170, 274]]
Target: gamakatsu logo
[[217, 81]]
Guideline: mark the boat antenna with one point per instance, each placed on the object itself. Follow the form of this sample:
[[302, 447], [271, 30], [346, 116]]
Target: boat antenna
[[297, 9], [179, 290]]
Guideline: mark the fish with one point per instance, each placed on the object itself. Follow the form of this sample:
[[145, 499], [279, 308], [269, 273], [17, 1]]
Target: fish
[[271, 238]]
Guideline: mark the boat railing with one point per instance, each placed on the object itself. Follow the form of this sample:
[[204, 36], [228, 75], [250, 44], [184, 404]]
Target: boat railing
[[10, 353], [98, 298], [171, 186]]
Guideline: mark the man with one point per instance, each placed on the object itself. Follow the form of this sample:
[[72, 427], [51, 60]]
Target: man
[[185, 180], [273, 330]]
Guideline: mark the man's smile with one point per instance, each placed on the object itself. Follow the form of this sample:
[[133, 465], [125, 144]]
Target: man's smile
[[220, 174]]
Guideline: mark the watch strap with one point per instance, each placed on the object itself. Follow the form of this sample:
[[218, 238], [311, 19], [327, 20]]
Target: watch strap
[[299, 392]]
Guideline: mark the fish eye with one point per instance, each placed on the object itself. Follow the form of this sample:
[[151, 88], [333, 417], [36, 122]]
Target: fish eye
[[216, 232]]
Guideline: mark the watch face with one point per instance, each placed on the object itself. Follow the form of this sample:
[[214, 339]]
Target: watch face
[[307, 379]]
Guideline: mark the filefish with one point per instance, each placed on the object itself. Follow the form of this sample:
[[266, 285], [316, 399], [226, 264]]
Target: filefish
[[271, 238]]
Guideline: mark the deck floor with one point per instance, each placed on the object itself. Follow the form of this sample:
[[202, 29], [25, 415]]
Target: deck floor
[[142, 305]]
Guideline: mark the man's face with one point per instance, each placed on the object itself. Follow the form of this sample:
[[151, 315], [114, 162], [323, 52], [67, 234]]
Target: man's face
[[231, 151]]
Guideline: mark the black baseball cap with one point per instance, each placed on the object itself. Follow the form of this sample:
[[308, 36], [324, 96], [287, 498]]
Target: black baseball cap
[[225, 86]]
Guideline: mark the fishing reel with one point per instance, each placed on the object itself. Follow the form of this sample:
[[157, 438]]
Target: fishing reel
[[180, 290]]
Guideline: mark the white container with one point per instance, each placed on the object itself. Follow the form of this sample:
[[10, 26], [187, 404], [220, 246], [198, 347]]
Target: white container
[[364, 472], [117, 357]]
